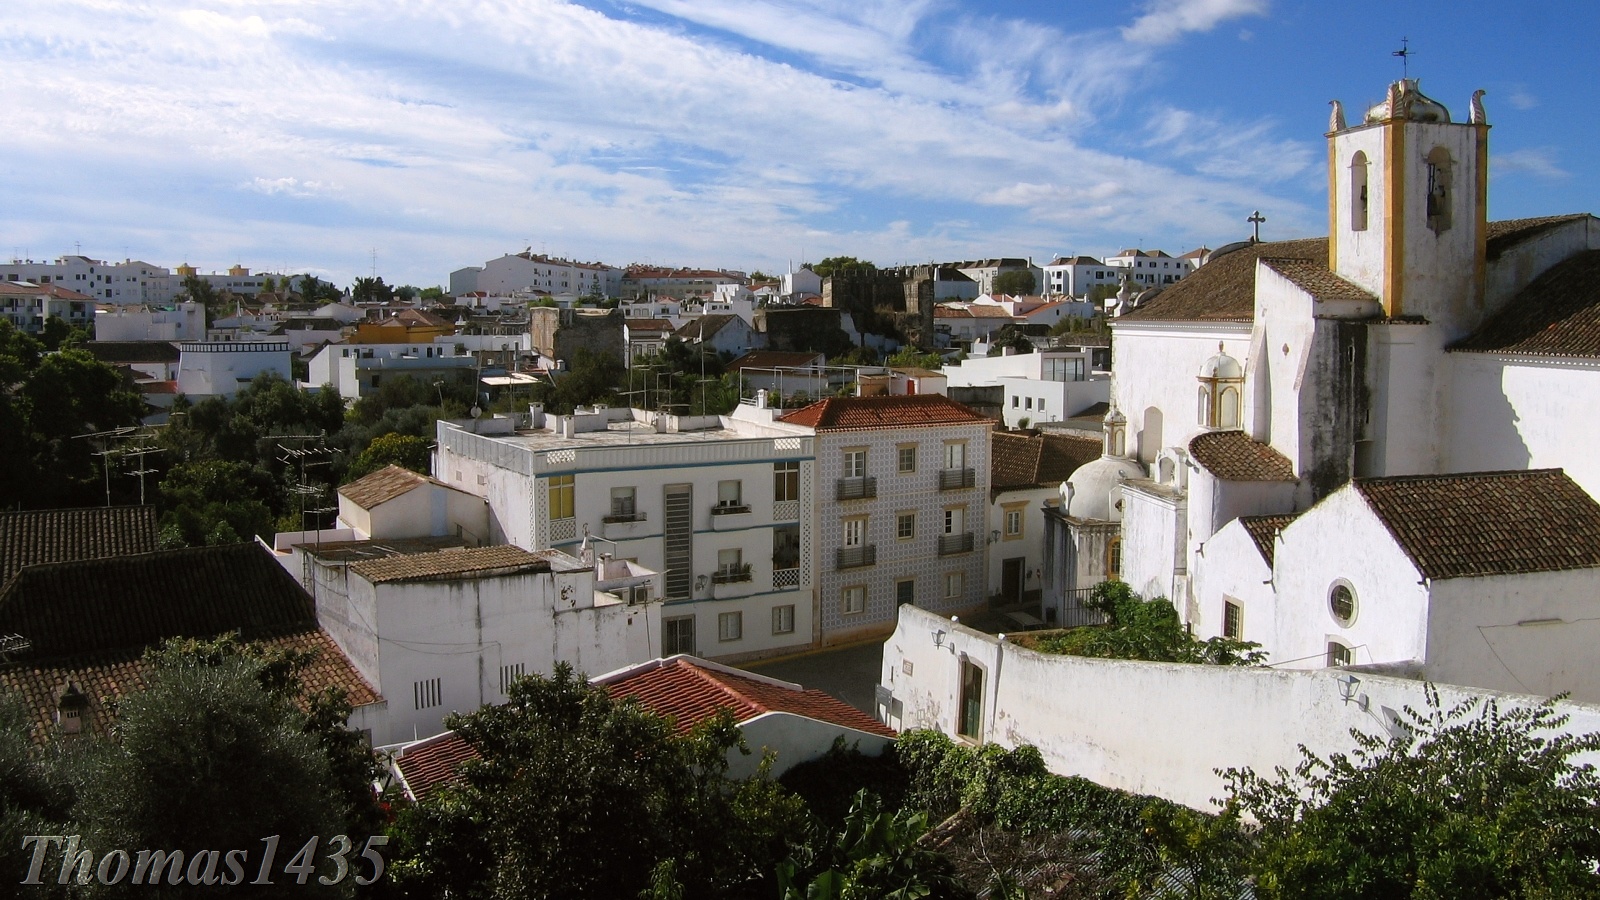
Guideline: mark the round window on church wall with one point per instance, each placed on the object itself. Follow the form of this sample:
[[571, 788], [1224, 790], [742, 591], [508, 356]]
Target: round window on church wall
[[1342, 603]]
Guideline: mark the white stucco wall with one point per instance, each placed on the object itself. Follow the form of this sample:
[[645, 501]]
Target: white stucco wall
[[1523, 413], [1156, 728], [1153, 519], [1231, 568], [1341, 538], [1157, 364], [1029, 545], [795, 739], [1533, 633]]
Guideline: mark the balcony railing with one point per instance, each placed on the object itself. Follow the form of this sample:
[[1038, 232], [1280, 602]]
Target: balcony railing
[[731, 575], [728, 509], [955, 543], [786, 511], [859, 488], [956, 479], [618, 518], [856, 557], [785, 578]]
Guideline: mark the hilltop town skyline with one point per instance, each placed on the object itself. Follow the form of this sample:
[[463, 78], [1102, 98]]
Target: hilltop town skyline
[[412, 142]]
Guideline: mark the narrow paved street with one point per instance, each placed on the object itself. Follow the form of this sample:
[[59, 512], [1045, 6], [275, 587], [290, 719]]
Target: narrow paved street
[[850, 673]]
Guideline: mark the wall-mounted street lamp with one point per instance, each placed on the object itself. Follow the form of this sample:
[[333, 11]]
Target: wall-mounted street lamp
[[938, 637]]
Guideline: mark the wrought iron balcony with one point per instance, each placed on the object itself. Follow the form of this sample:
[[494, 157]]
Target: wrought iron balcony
[[955, 543], [856, 557], [956, 479], [860, 488]]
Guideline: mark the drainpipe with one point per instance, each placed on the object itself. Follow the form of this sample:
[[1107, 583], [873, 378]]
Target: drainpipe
[[994, 688]]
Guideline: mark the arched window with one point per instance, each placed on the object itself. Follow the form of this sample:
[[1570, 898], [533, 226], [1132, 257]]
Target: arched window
[[1205, 406], [1440, 197], [1114, 559], [1228, 408], [1358, 192]]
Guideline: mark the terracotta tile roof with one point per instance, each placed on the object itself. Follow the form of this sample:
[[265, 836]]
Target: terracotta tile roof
[[690, 692], [950, 312], [1233, 456], [133, 351], [382, 486], [1556, 315], [137, 601], [158, 387], [866, 413], [1262, 530], [1038, 460], [1224, 289], [775, 359], [704, 327], [432, 763], [446, 565], [106, 676], [1488, 523], [66, 535], [1506, 234], [1317, 280], [648, 325], [986, 311]]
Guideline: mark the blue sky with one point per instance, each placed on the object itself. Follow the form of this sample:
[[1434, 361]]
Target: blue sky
[[313, 135]]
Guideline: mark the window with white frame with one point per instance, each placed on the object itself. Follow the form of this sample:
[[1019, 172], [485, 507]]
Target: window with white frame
[[955, 455], [855, 532], [786, 481], [1339, 654], [623, 504], [783, 619], [955, 520], [729, 493], [855, 463], [730, 626], [905, 525], [1013, 526], [955, 585], [729, 561], [907, 457], [854, 599], [561, 502]]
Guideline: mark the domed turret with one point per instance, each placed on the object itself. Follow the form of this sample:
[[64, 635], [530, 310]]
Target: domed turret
[[1221, 384], [1094, 491], [1407, 101]]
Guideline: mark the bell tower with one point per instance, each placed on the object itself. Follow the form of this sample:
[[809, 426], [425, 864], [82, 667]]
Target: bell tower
[[1408, 206]]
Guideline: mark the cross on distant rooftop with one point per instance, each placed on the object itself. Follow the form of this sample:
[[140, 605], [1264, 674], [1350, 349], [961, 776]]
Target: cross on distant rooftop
[[1256, 218]]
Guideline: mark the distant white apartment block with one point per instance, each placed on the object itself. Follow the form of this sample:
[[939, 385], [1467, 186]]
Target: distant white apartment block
[[721, 509], [528, 273], [1048, 386]]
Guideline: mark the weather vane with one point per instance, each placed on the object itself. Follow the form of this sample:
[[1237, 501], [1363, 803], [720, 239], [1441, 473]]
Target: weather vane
[[1404, 53]]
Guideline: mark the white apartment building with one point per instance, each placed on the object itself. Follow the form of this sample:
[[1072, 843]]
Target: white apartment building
[[130, 281], [448, 631], [722, 509], [1153, 268], [28, 306], [901, 489], [1048, 386], [355, 370], [527, 272], [129, 322], [1074, 276]]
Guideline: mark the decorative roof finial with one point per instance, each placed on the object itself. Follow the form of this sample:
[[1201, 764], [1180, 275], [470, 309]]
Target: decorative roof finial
[[1476, 115], [1256, 218], [1336, 119]]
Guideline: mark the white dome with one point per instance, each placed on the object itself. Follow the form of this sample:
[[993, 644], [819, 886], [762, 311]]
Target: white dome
[[1221, 366], [1096, 488]]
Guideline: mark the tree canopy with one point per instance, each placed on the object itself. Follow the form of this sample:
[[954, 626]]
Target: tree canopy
[[1017, 283], [576, 795], [1142, 629], [832, 264]]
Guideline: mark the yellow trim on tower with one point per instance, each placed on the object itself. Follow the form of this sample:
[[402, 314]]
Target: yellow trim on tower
[[1394, 215], [1333, 208]]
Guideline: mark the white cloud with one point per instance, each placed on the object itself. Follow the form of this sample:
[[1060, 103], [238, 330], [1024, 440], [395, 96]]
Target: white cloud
[[1539, 162], [1164, 21], [291, 187]]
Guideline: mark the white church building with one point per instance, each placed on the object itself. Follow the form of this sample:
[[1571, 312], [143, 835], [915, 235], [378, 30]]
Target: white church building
[[1370, 449]]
